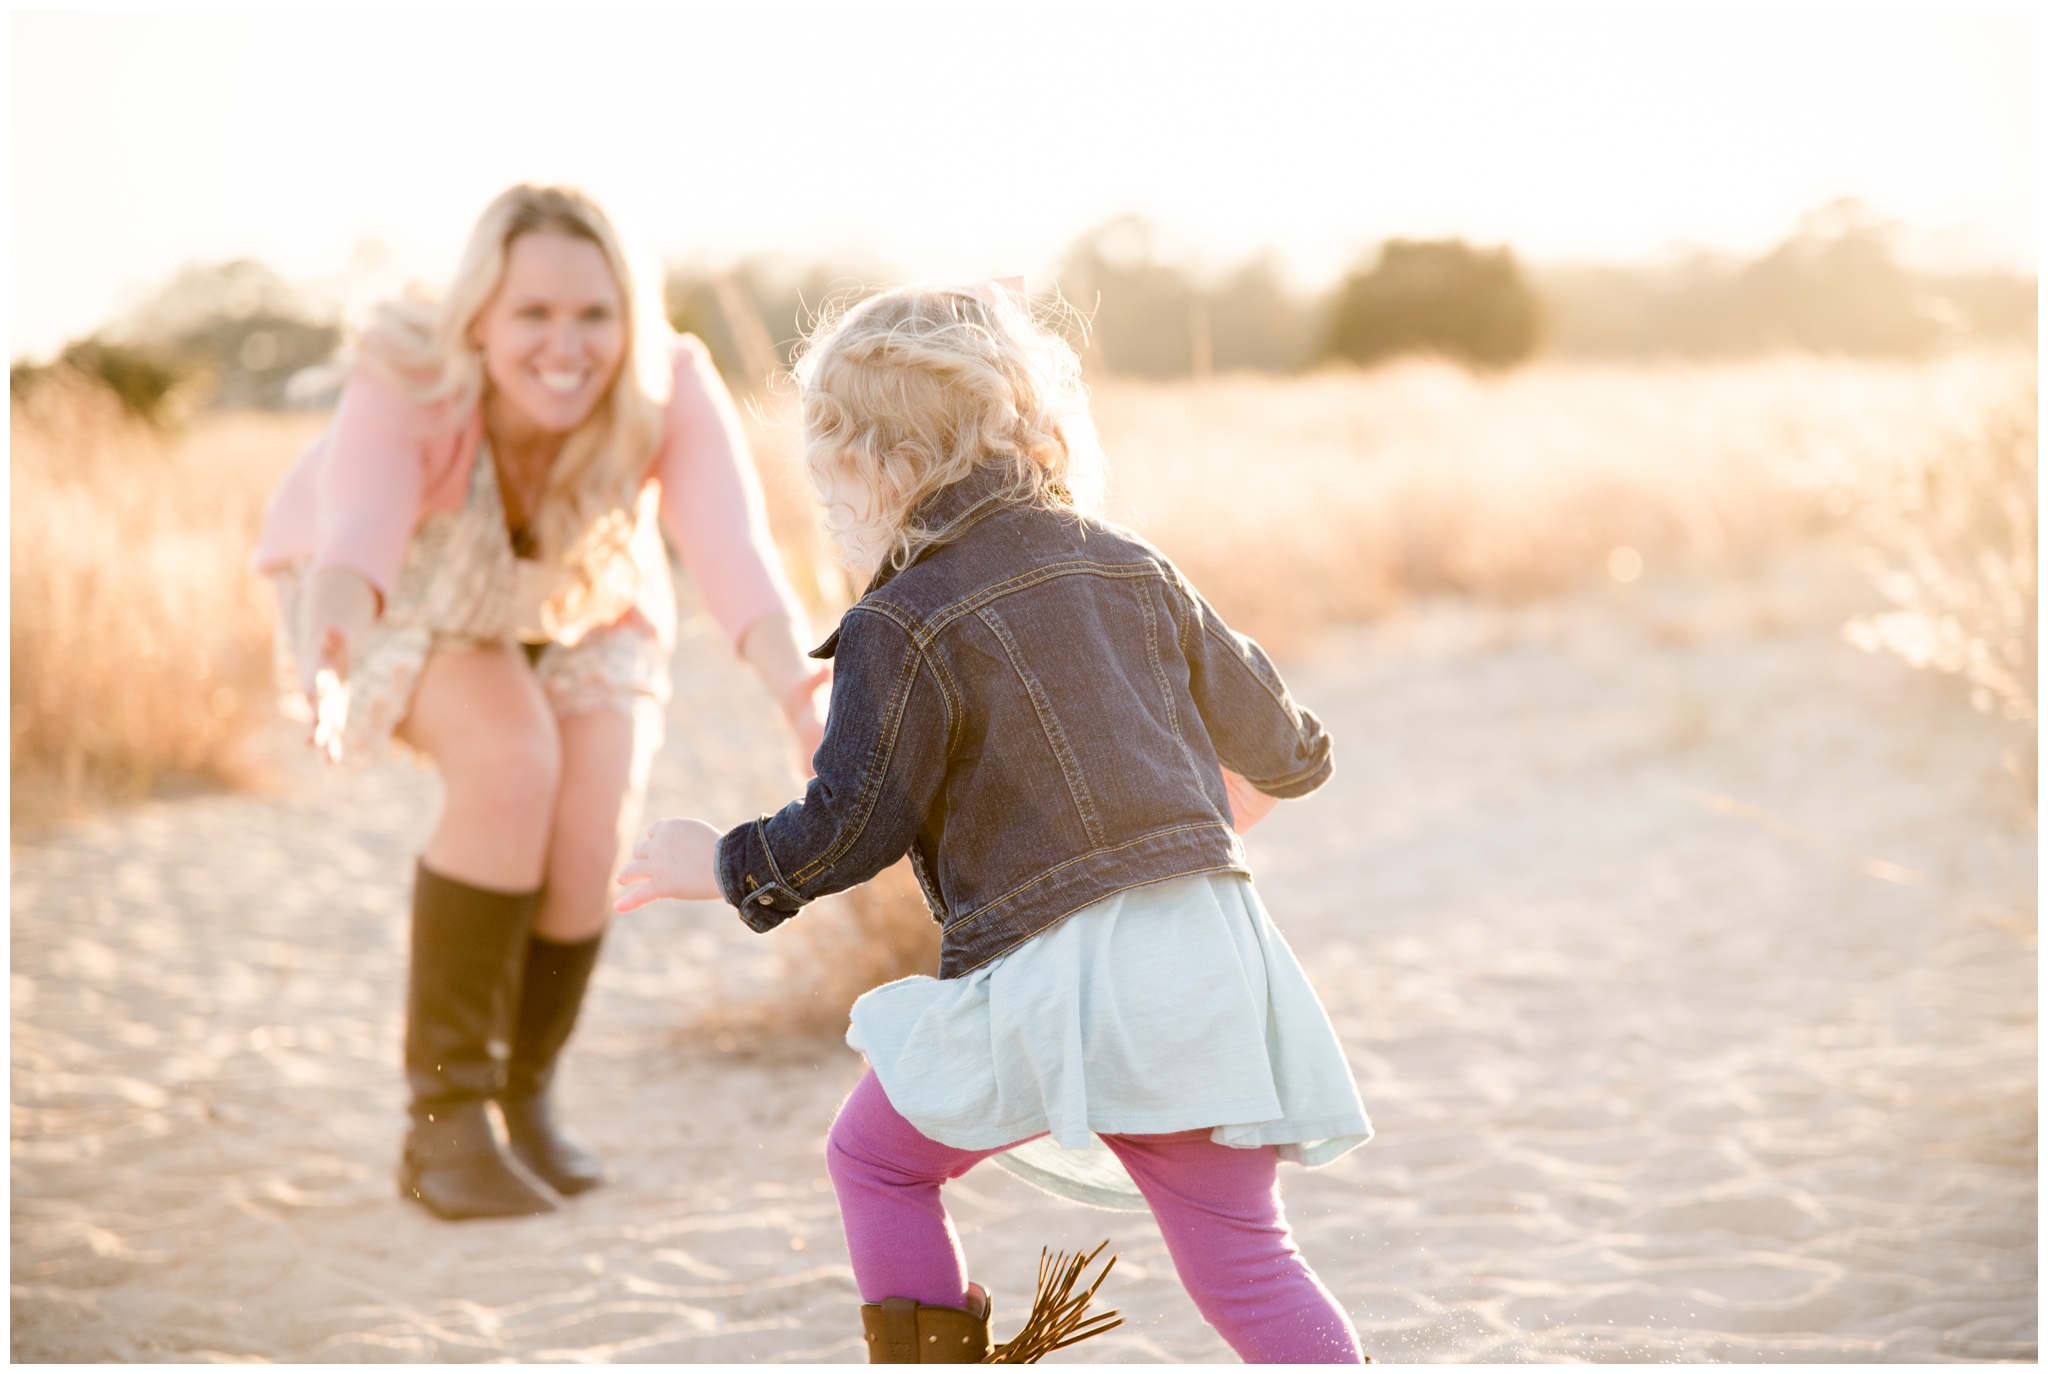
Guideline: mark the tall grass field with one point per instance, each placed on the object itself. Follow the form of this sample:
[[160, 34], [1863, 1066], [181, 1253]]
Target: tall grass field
[[140, 641]]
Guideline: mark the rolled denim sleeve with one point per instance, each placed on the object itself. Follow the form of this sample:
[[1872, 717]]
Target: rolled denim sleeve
[[879, 768], [1257, 728]]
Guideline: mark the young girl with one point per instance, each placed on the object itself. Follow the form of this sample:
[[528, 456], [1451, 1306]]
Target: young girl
[[1041, 711]]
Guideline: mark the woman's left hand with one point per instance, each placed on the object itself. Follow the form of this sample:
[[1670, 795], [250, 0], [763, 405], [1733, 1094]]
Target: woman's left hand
[[679, 858], [1248, 805], [804, 708]]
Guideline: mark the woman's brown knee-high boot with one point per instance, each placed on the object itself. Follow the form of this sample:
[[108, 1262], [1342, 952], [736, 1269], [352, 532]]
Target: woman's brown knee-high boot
[[467, 945], [550, 995]]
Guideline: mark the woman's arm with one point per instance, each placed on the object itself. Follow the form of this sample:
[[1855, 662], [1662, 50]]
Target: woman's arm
[[800, 685], [372, 480], [712, 507], [1280, 749], [883, 760]]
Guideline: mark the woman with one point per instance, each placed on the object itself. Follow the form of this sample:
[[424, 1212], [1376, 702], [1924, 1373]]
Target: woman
[[469, 560]]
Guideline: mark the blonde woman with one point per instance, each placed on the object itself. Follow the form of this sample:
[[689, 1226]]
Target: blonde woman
[[471, 561]]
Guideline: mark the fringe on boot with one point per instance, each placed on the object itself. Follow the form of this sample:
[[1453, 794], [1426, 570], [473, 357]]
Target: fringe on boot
[[904, 1331]]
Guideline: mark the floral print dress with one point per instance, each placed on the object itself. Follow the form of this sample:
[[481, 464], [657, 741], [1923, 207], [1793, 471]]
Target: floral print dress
[[462, 586]]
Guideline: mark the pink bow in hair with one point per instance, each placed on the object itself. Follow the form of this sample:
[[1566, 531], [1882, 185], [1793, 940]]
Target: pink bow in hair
[[987, 289]]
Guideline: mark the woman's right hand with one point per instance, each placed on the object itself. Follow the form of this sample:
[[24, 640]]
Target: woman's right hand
[[341, 606]]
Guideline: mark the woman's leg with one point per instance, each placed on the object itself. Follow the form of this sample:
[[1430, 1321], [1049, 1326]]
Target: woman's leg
[[887, 1174], [481, 717], [604, 771], [603, 776], [1219, 1211]]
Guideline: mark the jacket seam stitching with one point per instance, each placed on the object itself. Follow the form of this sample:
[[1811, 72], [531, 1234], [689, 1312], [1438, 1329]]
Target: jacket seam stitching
[[1049, 725], [871, 790], [931, 627], [1159, 675], [1297, 776], [890, 612], [949, 693], [1243, 661]]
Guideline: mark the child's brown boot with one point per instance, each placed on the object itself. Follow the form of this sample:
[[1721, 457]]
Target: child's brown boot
[[905, 1331]]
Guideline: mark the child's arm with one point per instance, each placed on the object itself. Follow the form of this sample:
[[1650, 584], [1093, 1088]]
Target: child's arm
[[879, 769], [675, 860], [1280, 749]]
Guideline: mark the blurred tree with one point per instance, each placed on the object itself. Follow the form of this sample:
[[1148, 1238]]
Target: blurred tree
[[1259, 325], [785, 301], [1991, 307], [1687, 309], [1834, 287], [1439, 297], [149, 387], [1142, 310], [229, 335], [691, 299], [238, 327]]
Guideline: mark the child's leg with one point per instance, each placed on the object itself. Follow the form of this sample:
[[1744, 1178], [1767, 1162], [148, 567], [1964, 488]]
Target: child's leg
[[887, 1174], [1219, 1210]]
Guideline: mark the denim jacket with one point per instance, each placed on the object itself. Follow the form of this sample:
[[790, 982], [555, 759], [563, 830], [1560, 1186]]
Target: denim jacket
[[1035, 710]]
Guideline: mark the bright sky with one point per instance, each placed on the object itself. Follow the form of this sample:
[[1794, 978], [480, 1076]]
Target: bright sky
[[972, 139]]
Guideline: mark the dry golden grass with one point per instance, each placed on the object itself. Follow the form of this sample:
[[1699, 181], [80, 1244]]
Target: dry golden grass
[[140, 642], [1953, 538], [1295, 502], [838, 949]]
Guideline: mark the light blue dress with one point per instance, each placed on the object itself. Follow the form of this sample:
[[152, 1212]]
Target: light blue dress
[[1170, 1007]]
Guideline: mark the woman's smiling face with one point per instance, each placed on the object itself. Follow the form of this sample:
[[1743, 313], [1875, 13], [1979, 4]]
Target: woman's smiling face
[[554, 333]]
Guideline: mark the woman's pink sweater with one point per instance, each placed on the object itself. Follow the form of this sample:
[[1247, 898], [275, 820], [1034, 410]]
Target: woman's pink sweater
[[355, 496]]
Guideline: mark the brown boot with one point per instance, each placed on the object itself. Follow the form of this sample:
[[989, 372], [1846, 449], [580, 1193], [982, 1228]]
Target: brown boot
[[905, 1331], [467, 944]]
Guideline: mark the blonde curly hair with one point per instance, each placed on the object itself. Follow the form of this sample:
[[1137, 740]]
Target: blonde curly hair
[[588, 512], [912, 390]]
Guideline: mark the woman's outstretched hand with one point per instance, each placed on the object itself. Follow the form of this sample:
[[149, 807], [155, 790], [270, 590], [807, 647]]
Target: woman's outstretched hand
[[341, 608], [677, 859], [804, 707], [1248, 805], [775, 647], [329, 694]]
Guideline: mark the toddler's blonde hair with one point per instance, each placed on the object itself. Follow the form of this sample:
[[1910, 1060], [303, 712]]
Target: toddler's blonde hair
[[912, 390]]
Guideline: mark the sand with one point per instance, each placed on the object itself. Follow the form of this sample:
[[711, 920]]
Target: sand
[[1685, 956]]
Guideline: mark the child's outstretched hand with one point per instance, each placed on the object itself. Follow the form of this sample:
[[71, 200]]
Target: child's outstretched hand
[[677, 859], [1248, 805]]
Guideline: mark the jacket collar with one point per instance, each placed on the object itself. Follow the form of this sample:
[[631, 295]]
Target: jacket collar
[[948, 513]]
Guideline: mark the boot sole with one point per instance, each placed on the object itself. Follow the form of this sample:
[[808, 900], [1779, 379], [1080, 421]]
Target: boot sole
[[414, 1186]]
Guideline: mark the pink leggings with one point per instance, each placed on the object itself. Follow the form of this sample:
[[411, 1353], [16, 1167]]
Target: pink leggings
[[1218, 1209]]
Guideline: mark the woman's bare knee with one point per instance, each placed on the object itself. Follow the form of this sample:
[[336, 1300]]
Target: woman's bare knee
[[481, 717], [597, 791], [513, 779]]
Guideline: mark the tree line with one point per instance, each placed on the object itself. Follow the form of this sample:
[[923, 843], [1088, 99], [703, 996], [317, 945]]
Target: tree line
[[236, 334]]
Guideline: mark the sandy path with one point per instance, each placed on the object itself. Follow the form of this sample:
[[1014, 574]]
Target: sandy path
[[1685, 956]]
